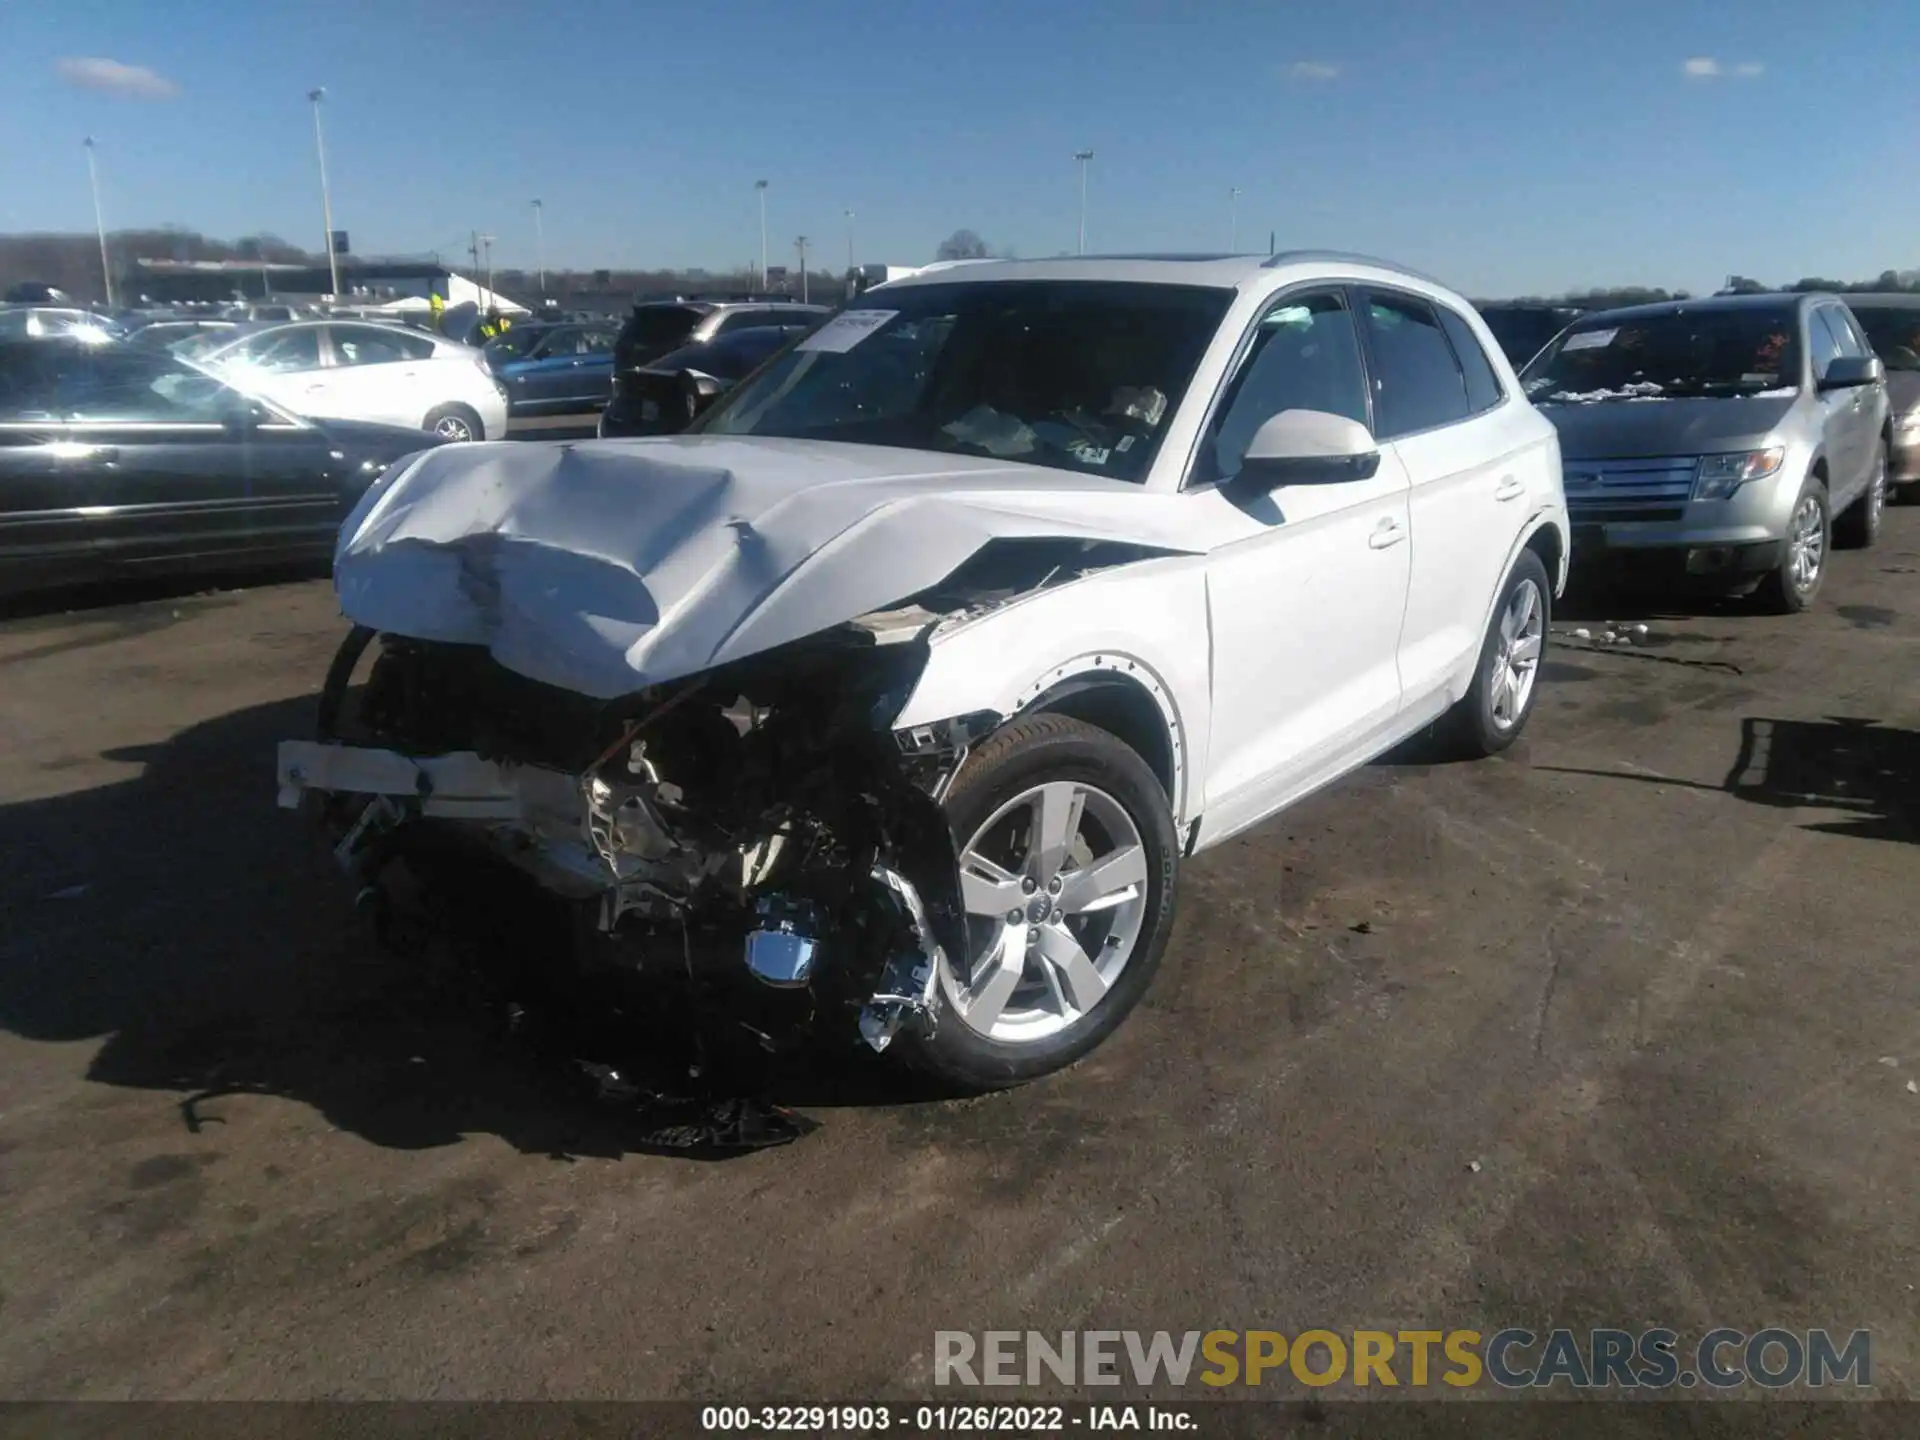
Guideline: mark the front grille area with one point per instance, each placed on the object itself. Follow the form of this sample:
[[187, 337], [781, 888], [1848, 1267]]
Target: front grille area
[[1613, 492]]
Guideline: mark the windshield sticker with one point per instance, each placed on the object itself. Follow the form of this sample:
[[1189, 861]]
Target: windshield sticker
[[1589, 339], [1126, 444], [1088, 453], [846, 330]]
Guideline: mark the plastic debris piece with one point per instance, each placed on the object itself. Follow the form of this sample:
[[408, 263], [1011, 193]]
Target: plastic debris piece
[[1913, 1087], [1889, 1060], [1640, 630], [1583, 634], [1474, 1166]]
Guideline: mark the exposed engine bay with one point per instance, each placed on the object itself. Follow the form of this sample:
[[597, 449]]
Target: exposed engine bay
[[757, 835]]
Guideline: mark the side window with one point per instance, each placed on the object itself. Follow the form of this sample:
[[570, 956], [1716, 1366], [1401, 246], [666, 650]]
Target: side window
[[365, 345], [1417, 382], [1305, 356], [1844, 335], [597, 342], [111, 384], [280, 351], [1823, 345], [741, 320], [1483, 386]]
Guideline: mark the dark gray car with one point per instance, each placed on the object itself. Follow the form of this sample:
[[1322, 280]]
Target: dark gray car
[[1726, 440], [1892, 323]]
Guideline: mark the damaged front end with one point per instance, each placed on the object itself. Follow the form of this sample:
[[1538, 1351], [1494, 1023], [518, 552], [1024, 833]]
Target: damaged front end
[[756, 834]]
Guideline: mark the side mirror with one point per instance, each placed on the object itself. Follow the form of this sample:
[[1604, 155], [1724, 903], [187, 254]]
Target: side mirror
[[1308, 447], [1849, 372]]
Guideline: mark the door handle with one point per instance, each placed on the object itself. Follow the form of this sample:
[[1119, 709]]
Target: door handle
[[1387, 532], [1511, 487]]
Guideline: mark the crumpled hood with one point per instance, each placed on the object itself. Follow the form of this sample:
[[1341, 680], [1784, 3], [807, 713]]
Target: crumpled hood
[[1631, 429], [606, 566]]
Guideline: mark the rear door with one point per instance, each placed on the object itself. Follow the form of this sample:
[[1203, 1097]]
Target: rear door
[[380, 374], [1857, 416], [1437, 400]]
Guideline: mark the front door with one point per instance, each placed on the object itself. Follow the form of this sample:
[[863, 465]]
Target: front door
[[1306, 612]]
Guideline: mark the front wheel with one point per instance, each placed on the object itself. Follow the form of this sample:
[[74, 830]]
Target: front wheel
[[1068, 862], [1789, 588], [1493, 712]]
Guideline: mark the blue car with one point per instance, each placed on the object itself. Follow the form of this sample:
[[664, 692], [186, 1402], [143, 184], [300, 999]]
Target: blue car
[[567, 370]]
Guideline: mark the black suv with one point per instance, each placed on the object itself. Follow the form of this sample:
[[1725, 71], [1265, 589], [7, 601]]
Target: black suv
[[659, 327]]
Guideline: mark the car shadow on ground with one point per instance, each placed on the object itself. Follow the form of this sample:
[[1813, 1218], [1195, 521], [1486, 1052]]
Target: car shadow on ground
[[204, 937], [1867, 770], [1597, 599]]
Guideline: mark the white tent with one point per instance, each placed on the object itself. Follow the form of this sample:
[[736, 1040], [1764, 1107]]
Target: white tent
[[460, 291]]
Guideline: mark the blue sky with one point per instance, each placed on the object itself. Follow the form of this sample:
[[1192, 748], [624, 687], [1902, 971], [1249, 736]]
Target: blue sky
[[1507, 147]]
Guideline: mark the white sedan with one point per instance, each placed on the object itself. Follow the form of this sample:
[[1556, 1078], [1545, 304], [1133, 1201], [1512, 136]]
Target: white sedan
[[356, 370], [902, 685]]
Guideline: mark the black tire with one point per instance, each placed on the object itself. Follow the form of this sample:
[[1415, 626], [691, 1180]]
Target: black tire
[[1471, 730], [1858, 526], [451, 415], [1027, 752], [1780, 593]]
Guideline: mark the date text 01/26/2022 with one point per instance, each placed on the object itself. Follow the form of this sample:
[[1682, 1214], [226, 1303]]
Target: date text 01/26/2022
[[954, 1419]]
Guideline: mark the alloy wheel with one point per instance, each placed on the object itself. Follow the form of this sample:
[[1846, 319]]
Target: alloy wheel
[[1806, 544], [452, 427], [1516, 658], [1055, 887]]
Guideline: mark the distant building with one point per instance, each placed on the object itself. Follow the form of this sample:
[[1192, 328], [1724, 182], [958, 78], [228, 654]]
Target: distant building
[[362, 282]]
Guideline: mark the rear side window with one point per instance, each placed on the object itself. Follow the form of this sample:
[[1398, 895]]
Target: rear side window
[[280, 351], [1483, 386], [1417, 382], [367, 345]]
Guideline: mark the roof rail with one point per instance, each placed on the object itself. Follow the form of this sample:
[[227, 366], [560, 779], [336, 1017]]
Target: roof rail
[[1340, 257]]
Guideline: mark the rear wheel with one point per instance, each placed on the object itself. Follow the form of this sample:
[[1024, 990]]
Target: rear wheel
[[1859, 525], [454, 423], [1790, 587], [1493, 712], [1068, 862]]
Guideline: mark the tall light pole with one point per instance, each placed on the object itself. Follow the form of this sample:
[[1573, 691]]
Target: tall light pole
[[1233, 219], [849, 247], [540, 247], [99, 221], [486, 248], [761, 187], [801, 246], [326, 195], [1083, 156]]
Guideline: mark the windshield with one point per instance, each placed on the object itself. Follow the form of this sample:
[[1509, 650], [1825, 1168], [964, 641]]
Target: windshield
[[1895, 333], [1078, 375], [1522, 333], [729, 357], [1747, 351]]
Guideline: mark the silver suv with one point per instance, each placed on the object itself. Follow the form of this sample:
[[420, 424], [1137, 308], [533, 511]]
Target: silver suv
[[1726, 441]]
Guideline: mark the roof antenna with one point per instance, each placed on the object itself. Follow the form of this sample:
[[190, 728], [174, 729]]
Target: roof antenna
[[1270, 244]]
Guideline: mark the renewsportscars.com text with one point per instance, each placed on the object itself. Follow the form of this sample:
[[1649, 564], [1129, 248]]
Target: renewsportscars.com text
[[1513, 1358]]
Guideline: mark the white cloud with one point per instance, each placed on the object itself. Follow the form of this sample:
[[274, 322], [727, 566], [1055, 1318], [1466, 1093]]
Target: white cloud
[[1706, 67], [96, 72], [1313, 70]]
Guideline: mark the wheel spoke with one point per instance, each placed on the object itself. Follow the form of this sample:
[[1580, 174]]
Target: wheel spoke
[[1107, 882], [1502, 687], [1079, 978], [995, 977], [1056, 820], [986, 888], [1527, 650]]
